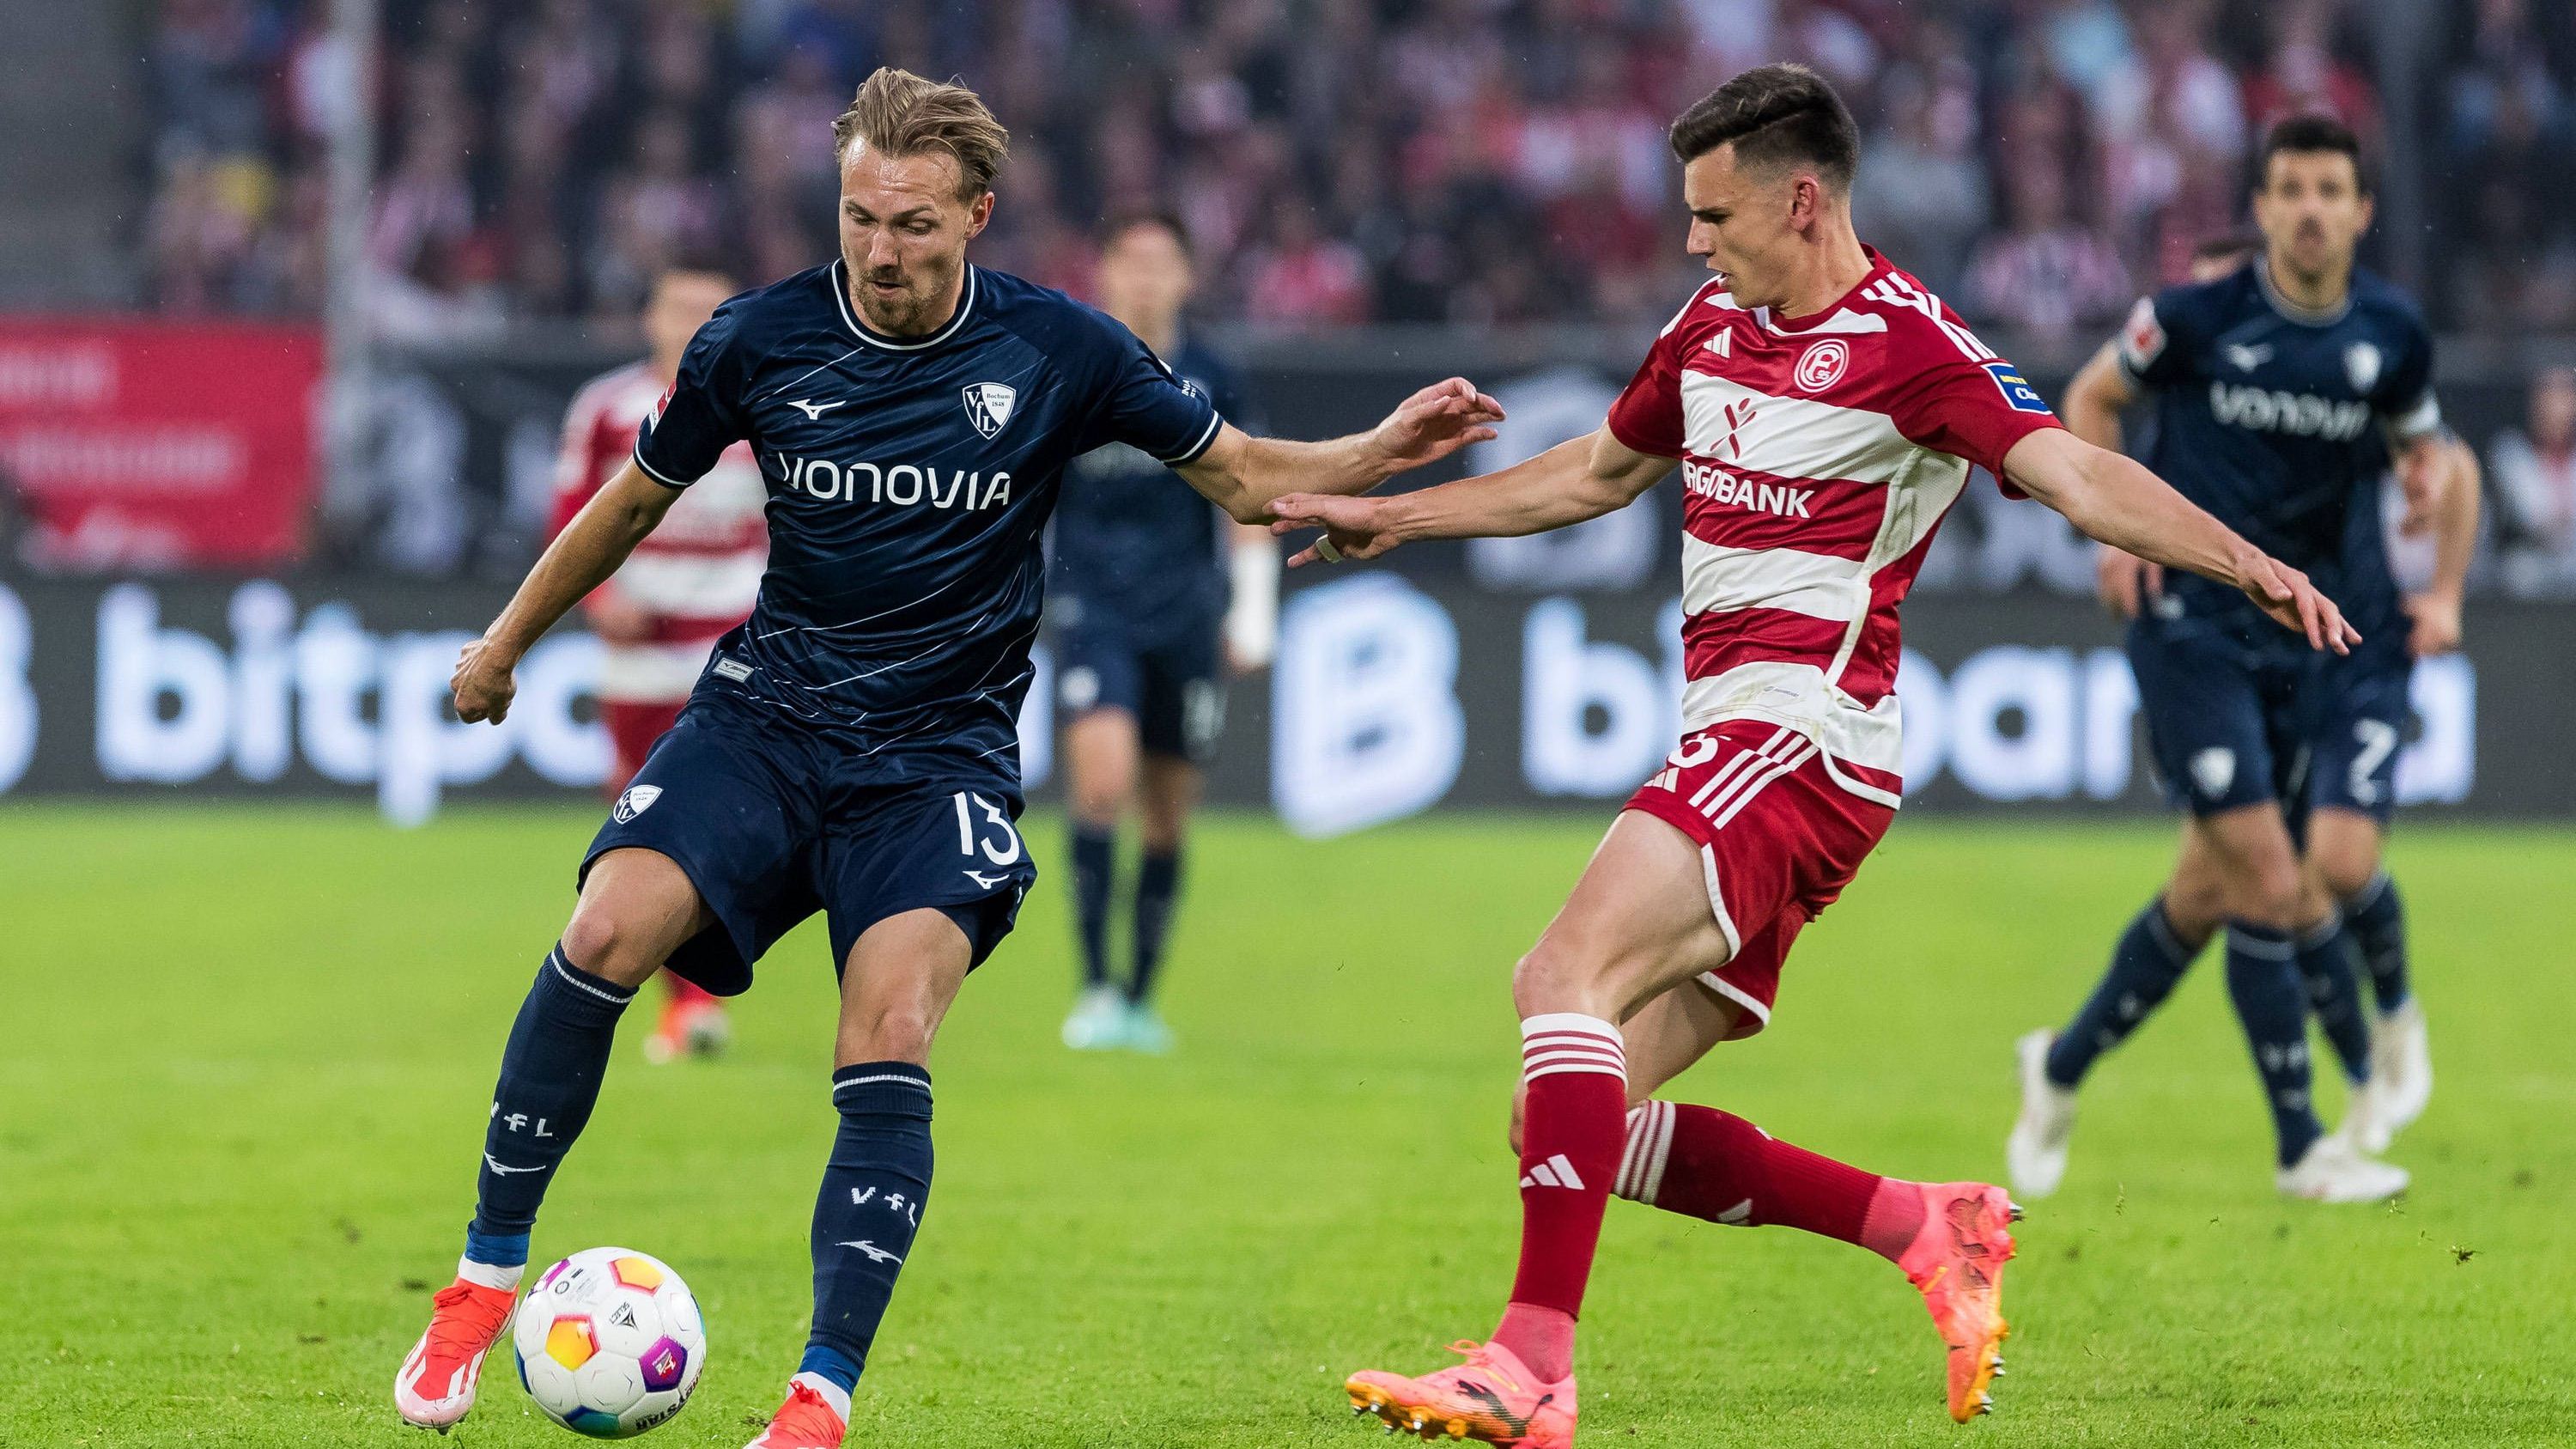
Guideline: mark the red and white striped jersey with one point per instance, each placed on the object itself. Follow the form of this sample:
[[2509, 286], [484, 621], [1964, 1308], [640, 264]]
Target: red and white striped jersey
[[698, 572], [1818, 456]]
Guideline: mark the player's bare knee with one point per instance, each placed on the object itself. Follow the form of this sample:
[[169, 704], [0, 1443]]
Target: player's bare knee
[[1547, 979], [2345, 872], [597, 941], [1097, 799], [894, 1032], [2195, 905], [2271, 893]]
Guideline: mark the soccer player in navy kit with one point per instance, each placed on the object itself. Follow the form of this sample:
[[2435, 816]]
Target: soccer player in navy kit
[[853, 748], [1156, 601], [2280, 387]]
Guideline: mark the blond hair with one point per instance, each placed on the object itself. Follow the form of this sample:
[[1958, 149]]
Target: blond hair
[[902, 114]]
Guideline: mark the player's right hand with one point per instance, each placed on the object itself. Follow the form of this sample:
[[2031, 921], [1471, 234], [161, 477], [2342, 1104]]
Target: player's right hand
[[2126, 583], [1360, 528], [2285, 593], [483, 683]]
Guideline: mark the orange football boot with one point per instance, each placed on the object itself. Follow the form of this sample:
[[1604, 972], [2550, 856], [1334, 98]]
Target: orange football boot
[[435, 1385], [1492, 1398], [693, 1024], [806, 1421], [1957, 1260]]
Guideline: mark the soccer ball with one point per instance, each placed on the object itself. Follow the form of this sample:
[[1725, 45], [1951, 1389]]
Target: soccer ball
[[610, 1343]]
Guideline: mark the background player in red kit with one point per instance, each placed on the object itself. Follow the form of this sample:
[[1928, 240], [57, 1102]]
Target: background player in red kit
[[1825, 410], [688, 582]]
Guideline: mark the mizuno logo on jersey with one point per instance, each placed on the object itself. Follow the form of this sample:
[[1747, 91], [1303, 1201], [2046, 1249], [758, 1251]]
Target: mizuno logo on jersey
[[903, 484], [814, 411], [2304, 414], [1718, 485]]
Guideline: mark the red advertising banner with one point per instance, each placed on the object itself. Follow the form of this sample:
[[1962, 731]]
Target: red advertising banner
[[139, 444]]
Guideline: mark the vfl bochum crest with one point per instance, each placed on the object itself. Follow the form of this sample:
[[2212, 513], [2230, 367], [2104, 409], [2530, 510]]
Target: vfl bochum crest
[[988, 406], [2361, 364], [636, 800]]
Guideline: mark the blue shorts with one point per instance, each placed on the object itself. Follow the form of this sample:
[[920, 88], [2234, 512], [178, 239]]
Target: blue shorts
[[1171, 679], [2362, 706], [773, 821], [2225, 719]]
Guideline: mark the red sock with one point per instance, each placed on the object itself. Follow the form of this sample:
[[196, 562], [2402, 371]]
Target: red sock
[[685, 992], [1576, 1072], [1714, 1165]]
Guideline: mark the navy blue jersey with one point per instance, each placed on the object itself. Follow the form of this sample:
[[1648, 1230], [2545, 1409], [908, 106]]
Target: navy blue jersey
[[1134, 542], [2277, 420], [910, 481]]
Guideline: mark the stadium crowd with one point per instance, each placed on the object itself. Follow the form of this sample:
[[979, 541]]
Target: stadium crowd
[[1339, 161], [2039, 162]]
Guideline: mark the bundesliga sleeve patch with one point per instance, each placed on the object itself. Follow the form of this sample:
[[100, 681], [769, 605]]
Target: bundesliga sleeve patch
[[2019, 395]]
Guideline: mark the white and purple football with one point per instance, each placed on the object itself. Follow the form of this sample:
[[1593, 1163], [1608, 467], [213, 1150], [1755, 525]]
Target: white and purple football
[[610, 1343]]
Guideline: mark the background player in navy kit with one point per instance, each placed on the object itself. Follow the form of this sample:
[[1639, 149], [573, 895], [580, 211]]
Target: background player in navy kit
[[2346, 791], [852, 748], [2279, 387], [1157, 600]]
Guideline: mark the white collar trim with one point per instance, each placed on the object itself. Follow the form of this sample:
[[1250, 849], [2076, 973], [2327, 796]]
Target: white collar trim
[[2292, 311], [841, 295]]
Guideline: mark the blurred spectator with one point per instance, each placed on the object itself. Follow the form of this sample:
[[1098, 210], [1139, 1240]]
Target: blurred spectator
[[2043, 272], [2533, 475], [1921, 194], [2503, 162], [1301, 278]]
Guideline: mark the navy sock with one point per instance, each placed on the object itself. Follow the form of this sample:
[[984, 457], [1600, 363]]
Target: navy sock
[[2377, 921], [2325, 964], [550, 1074], [870, 1205], [1094, 857], [2263, 981], [2150, 957], [1158, 883]]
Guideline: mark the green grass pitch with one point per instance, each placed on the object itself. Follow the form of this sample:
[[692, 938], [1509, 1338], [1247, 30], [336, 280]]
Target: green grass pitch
[[247, 1054]]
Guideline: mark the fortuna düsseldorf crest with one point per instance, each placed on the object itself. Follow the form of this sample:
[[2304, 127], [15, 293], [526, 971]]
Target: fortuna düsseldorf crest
[[1821, 366]]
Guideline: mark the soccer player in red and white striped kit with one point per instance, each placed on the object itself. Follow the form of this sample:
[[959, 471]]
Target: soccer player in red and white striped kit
[[1825, 411], [690, 580]]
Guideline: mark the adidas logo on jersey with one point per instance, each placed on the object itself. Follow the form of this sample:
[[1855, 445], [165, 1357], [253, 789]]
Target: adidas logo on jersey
[[2304, 414], [1555, 1172], [1720, 486], [903, 484]]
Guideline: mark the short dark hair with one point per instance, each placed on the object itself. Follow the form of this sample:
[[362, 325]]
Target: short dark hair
[[1121, 223], [1777, 115], [2310, 134], [2225, 245]]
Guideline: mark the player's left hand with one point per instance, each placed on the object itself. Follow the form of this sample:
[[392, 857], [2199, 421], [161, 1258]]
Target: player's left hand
[[2435, 620], [1355, 528], [1436, 422], [2285, 593], [2422, 477]]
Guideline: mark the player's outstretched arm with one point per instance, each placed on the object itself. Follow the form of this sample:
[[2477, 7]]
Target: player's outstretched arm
[[1576, 480], [579, 560], [2434, 614], [2117, 501], [1243, 474], [2092, 408]]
